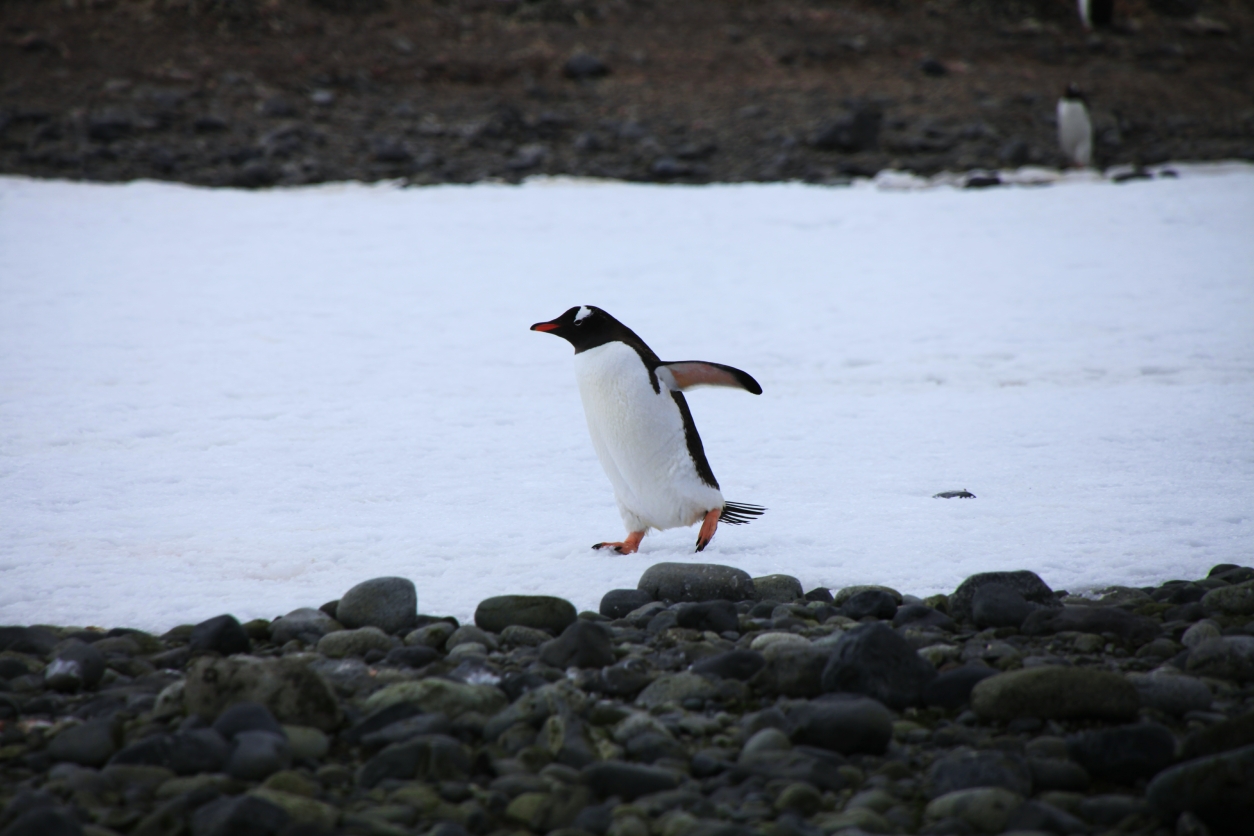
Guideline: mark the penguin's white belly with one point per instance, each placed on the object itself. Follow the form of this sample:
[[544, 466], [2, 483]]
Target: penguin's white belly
[[1075, 131], [638, 435]]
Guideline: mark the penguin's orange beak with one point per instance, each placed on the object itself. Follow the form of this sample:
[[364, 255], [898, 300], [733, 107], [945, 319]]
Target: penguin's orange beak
[[545, 326]]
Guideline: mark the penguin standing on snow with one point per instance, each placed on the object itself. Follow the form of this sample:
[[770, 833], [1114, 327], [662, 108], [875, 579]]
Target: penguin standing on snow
[[1075, 129], [642, 430]]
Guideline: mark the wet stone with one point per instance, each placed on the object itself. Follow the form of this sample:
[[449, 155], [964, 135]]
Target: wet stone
[[715, 616], [1226, 657], [358, 642], [389, 603], [541, 612], [869, 602], [875, 661], [243, 717], [619, 602], [777, 588], [952, 689], [842, 724], [697, 582], [221, 634], [1218, 789]]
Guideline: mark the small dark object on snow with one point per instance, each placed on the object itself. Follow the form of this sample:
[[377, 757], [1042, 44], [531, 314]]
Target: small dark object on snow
[[962, 494]]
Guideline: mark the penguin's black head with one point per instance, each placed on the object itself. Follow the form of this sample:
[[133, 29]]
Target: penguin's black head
[[1073, 92], [583, 326]]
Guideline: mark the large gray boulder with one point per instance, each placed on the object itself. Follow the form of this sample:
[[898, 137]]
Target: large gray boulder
[[697, 582], [391, 604]]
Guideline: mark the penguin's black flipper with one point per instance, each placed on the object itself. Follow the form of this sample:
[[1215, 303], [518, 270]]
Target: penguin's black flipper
[[686, 374], [740, 513]]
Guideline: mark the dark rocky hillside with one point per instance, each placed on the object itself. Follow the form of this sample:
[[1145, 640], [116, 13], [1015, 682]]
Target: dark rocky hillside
[[259, 92]]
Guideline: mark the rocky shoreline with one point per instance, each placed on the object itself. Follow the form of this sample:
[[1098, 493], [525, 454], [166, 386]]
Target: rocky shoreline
[[702, 703]]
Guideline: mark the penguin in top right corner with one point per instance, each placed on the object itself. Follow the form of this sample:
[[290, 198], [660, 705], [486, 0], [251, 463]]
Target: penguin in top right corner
[[1075, 129], [1094, 13]]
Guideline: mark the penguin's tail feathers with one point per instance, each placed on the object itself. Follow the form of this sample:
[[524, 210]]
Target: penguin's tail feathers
[[740, 513]]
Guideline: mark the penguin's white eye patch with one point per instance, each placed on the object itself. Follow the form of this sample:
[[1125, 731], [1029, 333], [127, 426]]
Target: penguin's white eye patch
[[583, 313]]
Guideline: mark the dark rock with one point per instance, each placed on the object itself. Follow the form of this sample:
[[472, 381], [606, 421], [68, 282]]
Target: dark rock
[[715, 616], [735, 664], [380, 719], [1121, 755], [999, 605], [1226, 657], [820, 594], [241, 815], [1055, 692], [875, 661], [199, 750], [629, 781], [37, 641], [434, 757], [922, 617], [811, 765], [150, 751], [1027, 584], [528, 156], [783, 588], [1172, 693], [952, 689], [664, 620], [109, 126], [246, 716], [257, 755], [1178, 593], [697, 582], [222, 634], [402, 730], [1221, 737], [856, 131], [793, 669], [276, 107], [967, 770], [581, 66], [305, 625], [870, 602], [416, 656], [1176, 8], [76, 667], [846, 725], [389, 149], [1185, 612], [1218, 789], [1094, 619], [45, 821], [1109, 810], [595, 819], [293, 692], [541, 612], [1057, 774], [1037, 816], [88, 744], [626, 678], [651, 746], [933, 68], [666, 167], [391, 604], [618, 602], [582, 645]]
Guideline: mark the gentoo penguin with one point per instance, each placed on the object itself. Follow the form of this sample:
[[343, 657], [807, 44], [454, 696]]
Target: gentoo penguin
[[642, 430], [1075, 130], [1094, 13]]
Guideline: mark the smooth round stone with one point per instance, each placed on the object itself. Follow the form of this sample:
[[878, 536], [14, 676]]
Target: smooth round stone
[[778, 588], [234, 815], [762, 642], [221, 634], [874, 660], [518, 636], [583, 644], [1171, 693], [800, 798], [848, 592], [433, 635], [541, 612], [968, 770], [45, 821], [306, 625], [244, 717], [675, 689], [76, 667], [1027, 584], [471, 633], [999, 605], [697, 582], [88, 744], [357, 642], [734, 664], [987, 809], [307, 742], [847, 725], [794, 670], [766, 740], [390, 603], [1055, 693], [628, 780], [875, 603], [1227, 657], [257, 755], [1122, 755], [1200, 632], [617, 603], [440, 696], [1234, 600], [1218, 789], [714, 616]]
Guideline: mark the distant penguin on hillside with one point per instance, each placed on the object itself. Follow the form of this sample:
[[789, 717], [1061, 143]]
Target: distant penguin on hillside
[[1075, 129], [1094, 13], [642, 430]]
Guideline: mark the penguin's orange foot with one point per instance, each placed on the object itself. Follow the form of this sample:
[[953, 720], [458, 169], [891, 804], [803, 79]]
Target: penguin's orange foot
[[628, 546], [708, 526]]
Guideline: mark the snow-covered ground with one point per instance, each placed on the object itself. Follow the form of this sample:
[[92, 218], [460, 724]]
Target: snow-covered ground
[[223, 401]]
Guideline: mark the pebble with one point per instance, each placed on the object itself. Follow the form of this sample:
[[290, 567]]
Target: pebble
[[873, 660], [75, 667], [673, 582], [245, 716], [306, 625], [196, 751], [617, 603], [999, 605], [440, 696], [256, 755], [968, 769], [1200, 632], [540, 612], [986, 809], [583, 644], [675, 689], [793, 669], [848, 592], [358, 642], [582, 66], [1093, 619], [1055, 692], [1123, 754], [843, 724], [221, 634], [629, 781], [784, 588], [715, 616], [922, 617], [89, 744], [432, 635], [1027, 584], [316, 815], [735, 664], [389, 603], [1226, 657], [1218, 789], [1171, 693], [233, 816], [875, 603], [294, 693], [1235, 600]]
